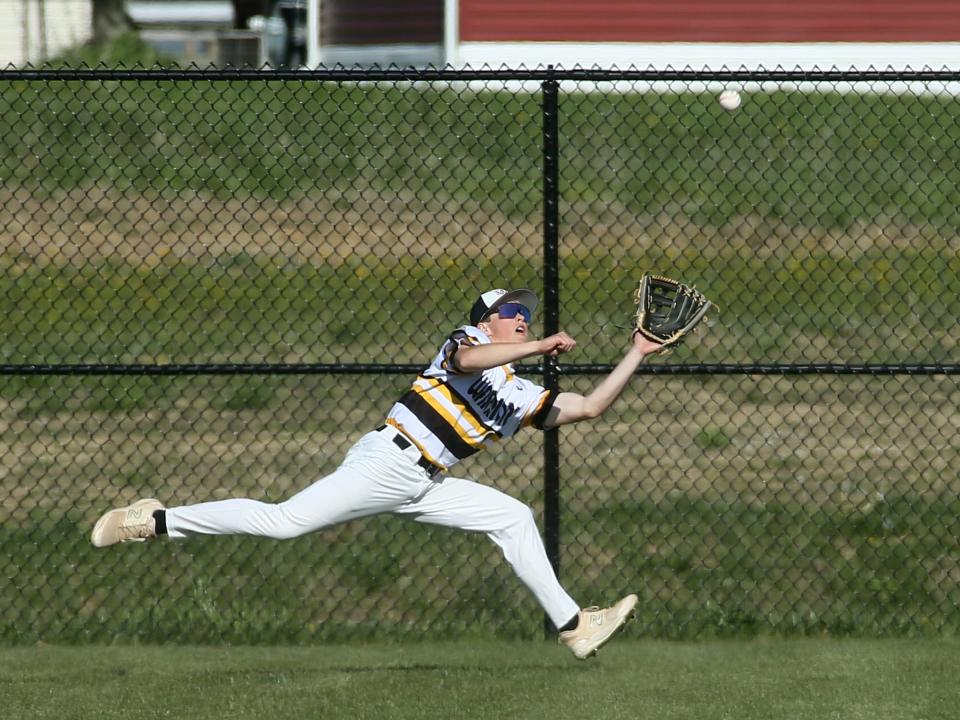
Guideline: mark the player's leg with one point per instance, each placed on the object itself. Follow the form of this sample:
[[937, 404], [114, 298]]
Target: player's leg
[[343, 495], [463, 504], [375, 477], [510, 524]]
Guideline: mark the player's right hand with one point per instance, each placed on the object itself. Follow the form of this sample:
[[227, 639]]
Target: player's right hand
[[557, 344]]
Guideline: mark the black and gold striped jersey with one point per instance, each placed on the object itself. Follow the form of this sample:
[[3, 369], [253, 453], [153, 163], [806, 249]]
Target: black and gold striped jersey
[[450, 415]]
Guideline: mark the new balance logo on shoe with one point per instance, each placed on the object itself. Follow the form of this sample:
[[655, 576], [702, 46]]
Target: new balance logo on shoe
[[133, 523]]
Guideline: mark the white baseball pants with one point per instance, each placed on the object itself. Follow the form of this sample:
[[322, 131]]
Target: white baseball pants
[[378, 477]]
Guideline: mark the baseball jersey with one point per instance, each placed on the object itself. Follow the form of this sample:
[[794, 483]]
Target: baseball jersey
[[450, 415]]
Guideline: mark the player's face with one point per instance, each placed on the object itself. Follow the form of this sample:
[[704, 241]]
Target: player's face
[[509, 326]]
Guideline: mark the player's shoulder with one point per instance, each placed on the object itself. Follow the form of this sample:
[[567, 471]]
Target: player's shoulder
[[468, 335], [464, 336]]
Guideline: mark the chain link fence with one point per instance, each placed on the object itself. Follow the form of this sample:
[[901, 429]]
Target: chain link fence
[[213, 282]]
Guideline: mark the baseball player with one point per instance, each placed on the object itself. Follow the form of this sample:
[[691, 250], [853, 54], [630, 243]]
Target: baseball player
[[468, 398]]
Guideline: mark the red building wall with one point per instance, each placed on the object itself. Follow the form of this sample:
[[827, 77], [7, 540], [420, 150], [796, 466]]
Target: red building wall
[[734, 21], [361, 22]]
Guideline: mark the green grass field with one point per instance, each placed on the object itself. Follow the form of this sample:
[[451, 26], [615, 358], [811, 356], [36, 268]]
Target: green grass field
[[758, 680]]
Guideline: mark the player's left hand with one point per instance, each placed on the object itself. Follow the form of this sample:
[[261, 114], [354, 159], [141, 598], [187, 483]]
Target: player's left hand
[[668, 310], [646, 346]]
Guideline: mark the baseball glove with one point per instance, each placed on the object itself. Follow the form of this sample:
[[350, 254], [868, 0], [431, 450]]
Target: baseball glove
[[668, 310]]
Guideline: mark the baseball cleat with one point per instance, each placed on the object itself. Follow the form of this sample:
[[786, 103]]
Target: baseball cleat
[[596, 626], [133, 523]]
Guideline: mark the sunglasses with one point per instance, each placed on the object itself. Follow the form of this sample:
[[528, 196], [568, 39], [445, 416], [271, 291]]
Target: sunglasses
[[511, 310]]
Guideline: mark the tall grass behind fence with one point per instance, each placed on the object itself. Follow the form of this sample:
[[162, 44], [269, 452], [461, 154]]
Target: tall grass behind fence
[[211, 287]]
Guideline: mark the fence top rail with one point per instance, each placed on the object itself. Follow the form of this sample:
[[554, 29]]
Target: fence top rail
[[411, 369], [447, 74]]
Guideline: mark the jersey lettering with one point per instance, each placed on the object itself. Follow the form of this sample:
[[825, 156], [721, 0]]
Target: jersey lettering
[[495, 409]]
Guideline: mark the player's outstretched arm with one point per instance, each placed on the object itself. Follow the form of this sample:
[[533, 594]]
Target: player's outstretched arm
[[573, 407], [478, 358]]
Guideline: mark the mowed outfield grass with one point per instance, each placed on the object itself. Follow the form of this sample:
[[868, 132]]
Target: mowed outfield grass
[[768, 679]]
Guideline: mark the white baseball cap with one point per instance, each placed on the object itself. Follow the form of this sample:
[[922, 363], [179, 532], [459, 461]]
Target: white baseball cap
[[487, 303]]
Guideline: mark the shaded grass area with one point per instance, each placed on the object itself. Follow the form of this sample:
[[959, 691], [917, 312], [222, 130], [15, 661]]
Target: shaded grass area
[[795, 680], [741, 569], [377, 578], [701, 568]]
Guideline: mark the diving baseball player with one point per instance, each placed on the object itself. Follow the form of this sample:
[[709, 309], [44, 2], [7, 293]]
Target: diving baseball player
[[467, 398]]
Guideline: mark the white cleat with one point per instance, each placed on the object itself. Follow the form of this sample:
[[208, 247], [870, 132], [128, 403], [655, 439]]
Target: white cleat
[[596, 626], [133, 523]]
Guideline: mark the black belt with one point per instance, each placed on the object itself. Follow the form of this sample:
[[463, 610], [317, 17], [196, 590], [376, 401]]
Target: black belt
[[400, 440]]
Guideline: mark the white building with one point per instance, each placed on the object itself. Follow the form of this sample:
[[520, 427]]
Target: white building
[[32, 31]]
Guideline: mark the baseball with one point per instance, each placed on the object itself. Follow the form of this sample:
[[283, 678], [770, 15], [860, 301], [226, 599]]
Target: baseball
[[729, 99]]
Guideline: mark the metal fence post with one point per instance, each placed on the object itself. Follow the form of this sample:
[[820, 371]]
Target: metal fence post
[[551, 321]]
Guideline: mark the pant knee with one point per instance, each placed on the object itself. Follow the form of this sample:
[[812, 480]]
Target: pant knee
[[520, 541], [270, 521], [284, 525], [519, 516]]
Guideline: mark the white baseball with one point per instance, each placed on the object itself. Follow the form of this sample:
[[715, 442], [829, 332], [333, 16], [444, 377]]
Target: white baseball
[[729, 99]]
